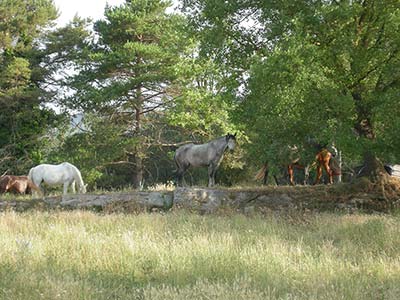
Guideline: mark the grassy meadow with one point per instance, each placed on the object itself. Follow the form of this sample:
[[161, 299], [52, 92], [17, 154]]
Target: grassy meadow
[[178, 255]]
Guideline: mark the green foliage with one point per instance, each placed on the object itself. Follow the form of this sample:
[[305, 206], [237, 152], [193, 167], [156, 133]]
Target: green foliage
[[23, 118], [139, 76], [321, 69], [92, 149], [124, 73], [277, 72]]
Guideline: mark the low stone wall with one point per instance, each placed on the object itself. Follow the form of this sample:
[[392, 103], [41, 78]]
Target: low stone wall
[[362, 195], [149, 200], [261, 199], [143, 200], [210, 200]]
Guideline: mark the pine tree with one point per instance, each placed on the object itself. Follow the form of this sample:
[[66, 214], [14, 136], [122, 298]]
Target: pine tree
[[129, 72]]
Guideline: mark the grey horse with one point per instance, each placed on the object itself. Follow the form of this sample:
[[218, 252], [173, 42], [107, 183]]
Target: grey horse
[[204, 155]]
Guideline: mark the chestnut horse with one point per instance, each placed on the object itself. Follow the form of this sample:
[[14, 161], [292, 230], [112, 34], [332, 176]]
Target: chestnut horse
[[17, 184], [323, 161]]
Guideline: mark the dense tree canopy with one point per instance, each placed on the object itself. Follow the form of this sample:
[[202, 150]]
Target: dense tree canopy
[[321, 69], [23, 80], [145, 80], [138, 77]]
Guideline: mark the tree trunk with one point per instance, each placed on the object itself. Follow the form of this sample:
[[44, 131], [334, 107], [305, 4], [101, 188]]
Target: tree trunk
[[137, 179], [339, 178], [372, 168], [363, 126]]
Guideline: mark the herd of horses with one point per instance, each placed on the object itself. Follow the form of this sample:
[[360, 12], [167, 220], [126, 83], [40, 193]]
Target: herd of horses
[[211, 154], [64, 174], [324, 160], [189, 155]]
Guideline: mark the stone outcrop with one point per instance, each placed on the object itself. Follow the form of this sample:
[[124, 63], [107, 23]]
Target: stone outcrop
[[363, 194], [143, 200], [210, 200], [148, 200]]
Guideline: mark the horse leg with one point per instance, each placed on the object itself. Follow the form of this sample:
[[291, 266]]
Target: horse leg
[[73, 186], [66, 184], [211, 175], [37, 183], [319, 174], [306, 174], [328, 171], [179, 176], [266, 172], [180, 171], [291, 174], [180, 179]]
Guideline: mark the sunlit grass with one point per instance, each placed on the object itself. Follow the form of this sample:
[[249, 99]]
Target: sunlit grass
[[83, 255]]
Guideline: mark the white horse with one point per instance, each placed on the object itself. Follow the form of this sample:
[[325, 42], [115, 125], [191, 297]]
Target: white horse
[[64, 173]]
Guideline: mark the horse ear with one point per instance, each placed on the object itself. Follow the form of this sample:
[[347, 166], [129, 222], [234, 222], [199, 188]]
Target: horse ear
[[235, 134]]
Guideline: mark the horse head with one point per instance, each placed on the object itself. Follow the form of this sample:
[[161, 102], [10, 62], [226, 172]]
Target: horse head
[[231, 140], [82, 188]]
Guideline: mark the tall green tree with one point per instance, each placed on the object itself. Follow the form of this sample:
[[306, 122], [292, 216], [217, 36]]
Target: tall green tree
[[23, 77], [143, 91], [127, 71], [322, 69]]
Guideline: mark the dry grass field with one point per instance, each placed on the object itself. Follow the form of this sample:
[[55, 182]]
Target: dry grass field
[[178, 255]]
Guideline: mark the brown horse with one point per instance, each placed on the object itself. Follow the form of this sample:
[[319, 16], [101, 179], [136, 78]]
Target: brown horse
[[17, 185], [323, 161]]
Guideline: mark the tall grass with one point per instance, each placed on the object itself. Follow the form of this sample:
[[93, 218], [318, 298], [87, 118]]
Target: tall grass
[[83, 255]]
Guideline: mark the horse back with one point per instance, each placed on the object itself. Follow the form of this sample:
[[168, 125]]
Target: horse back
[[49, 172], [194, 155], [16, 184]]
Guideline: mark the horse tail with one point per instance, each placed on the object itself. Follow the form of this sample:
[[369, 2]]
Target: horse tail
[[30, 175], [33, 186], [335, 167], [177, 164], [180, 169], [261, 173]]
